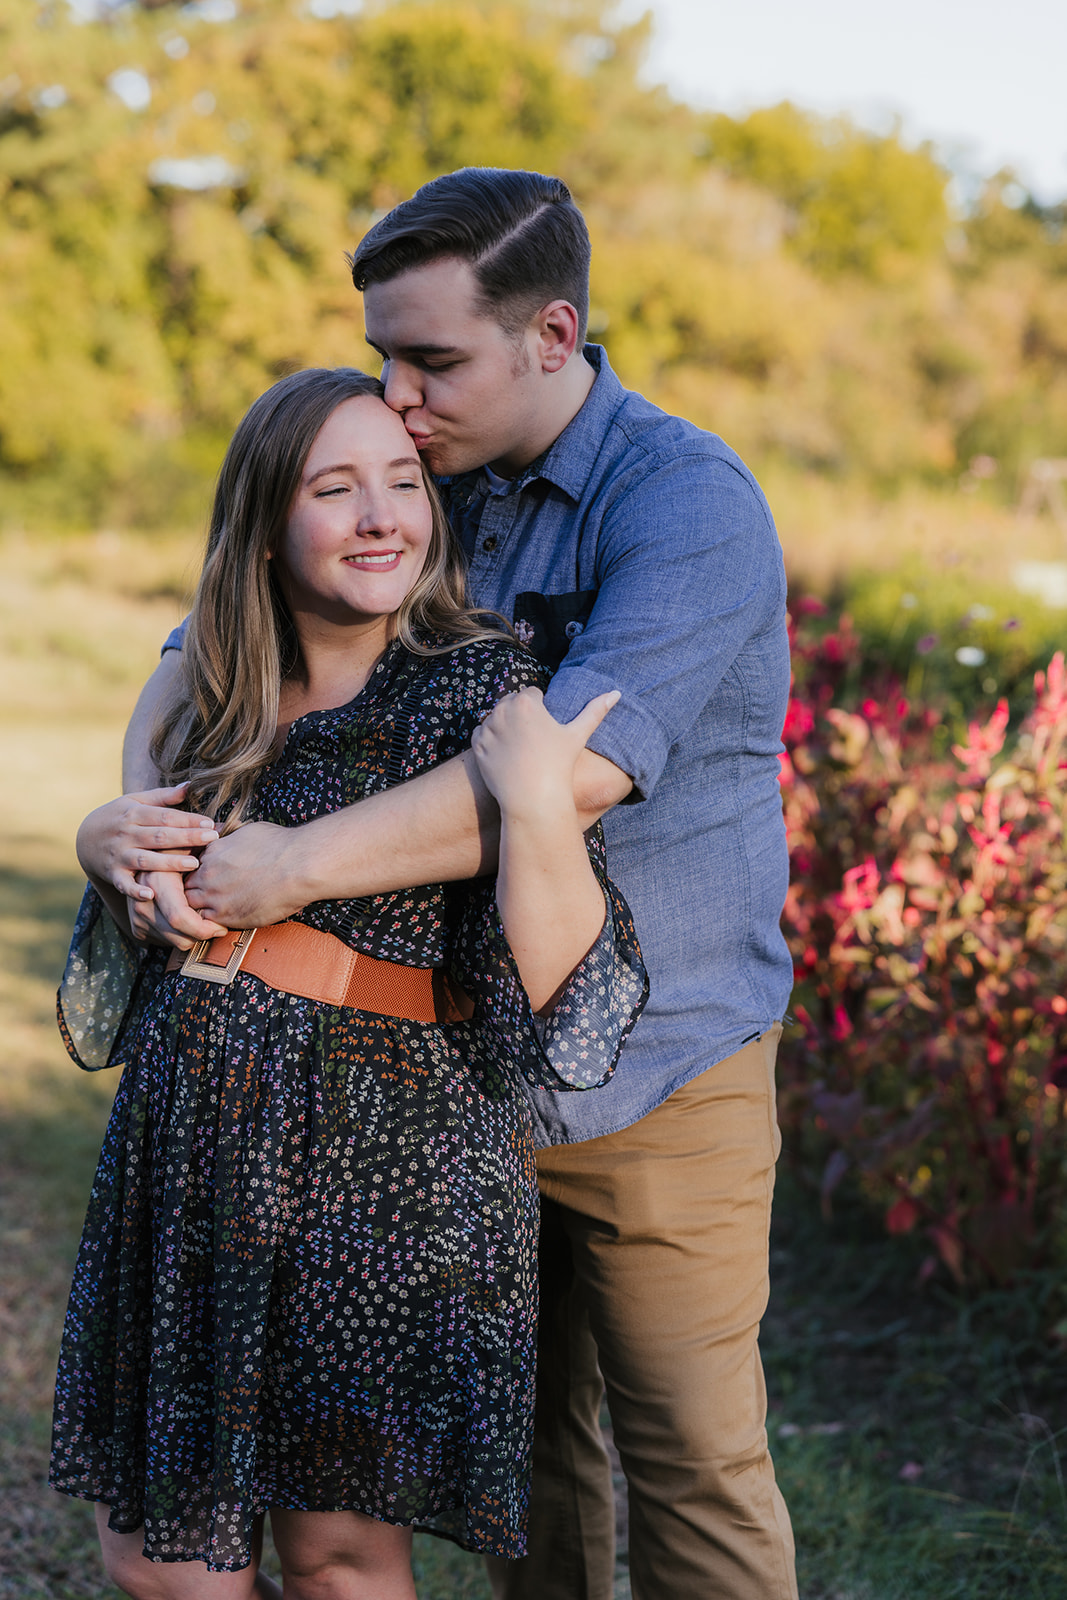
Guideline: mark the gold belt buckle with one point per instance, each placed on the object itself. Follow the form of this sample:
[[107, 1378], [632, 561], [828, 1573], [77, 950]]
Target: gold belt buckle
[[194, 965]]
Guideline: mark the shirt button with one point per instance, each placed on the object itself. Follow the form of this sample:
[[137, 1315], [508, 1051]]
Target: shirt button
[[489, 544], [573, 629]]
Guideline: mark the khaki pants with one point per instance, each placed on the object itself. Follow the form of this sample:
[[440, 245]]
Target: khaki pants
[[654, 1274]]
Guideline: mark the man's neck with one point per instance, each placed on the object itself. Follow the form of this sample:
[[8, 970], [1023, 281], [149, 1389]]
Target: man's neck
[[566, 392]]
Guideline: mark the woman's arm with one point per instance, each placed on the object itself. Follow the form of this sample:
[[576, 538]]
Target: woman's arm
[[550, 902]]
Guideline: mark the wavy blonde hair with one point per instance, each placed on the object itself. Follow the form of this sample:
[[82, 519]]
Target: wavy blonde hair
[[217, 733]]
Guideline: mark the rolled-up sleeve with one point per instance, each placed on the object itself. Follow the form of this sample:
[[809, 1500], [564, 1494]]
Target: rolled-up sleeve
[[690, 571]]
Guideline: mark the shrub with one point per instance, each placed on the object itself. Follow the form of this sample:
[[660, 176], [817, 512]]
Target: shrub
[[927, 919]]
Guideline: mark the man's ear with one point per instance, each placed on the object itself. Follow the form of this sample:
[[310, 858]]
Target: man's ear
[[556, 326]]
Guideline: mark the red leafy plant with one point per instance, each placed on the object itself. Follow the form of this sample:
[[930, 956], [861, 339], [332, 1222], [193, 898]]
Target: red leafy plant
[[927, 919]]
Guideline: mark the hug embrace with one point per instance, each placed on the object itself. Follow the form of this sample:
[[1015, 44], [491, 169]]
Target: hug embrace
[[411, 1128]]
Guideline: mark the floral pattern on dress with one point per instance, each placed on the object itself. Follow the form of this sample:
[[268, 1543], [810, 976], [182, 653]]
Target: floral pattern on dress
[[307, 1276]]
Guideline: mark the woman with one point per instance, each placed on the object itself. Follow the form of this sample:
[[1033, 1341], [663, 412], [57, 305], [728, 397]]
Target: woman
[[306, 1281]]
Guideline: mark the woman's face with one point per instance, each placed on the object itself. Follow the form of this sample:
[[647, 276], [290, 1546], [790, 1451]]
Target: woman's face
[[360, 523]]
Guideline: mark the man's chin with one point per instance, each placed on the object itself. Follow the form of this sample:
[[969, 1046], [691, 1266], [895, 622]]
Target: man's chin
[[446, 463]]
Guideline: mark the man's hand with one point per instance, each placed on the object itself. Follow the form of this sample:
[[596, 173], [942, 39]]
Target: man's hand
[[168, 918], [141, 833], [241, 880]]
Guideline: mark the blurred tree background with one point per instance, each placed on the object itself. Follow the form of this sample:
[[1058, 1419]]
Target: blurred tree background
[[178, 184]]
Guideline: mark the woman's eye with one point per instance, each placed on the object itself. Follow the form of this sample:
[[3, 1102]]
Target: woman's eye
[[334, 489]]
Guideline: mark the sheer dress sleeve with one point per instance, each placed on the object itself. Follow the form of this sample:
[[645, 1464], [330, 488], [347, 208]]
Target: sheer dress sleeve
[[578, 1044], [106, 983]]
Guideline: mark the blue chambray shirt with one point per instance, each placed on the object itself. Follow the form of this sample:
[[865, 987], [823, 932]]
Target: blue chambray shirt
[[643, 548], [639, 554]]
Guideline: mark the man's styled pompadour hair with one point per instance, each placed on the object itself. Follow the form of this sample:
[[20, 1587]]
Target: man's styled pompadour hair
[[523, 235]]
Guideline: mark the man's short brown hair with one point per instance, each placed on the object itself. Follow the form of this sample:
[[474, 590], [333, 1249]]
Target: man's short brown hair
[[522, 233]]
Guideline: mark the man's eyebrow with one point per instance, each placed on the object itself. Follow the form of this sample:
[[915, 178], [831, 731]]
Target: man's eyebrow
[[416, 349], [348, 466]]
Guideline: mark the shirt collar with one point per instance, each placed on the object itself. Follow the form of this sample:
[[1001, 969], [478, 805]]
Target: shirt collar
[[568, 462]]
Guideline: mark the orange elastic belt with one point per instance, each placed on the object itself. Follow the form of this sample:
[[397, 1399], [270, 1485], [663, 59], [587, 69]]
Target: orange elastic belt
[[300, 960]]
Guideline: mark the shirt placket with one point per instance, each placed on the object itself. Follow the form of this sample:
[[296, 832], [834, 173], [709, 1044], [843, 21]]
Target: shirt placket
[[490, 544]]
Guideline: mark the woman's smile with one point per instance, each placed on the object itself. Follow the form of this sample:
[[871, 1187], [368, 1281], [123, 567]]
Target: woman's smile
[[375, 558]]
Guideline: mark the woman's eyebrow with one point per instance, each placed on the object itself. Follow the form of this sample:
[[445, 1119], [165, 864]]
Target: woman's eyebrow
[[348, 466], [324, 472]]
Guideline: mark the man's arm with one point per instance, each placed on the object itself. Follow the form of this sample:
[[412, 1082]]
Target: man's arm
[[691, 583], [138, 768], [439, 827]]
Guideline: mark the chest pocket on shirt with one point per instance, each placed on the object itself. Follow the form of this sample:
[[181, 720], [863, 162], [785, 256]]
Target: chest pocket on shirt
[[548, 624]]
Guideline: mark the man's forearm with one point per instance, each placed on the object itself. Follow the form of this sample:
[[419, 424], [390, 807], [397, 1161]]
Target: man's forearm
[[138, 768], [439, 827]]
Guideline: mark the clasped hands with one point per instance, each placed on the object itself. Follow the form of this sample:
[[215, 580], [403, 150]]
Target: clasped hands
[[143, 844]]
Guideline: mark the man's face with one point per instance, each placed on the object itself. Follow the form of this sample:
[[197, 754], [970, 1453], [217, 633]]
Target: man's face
[[468, 391]]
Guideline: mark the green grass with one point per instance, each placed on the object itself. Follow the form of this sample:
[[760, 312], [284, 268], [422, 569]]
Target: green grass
[[920, 1438]]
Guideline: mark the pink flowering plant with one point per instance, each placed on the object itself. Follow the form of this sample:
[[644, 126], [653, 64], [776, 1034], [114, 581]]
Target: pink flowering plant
[[927, 919]]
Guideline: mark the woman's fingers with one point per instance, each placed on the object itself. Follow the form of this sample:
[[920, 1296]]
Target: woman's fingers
[[166, 917], [521, 716], [526, 758], [136, 832], [588, 720]]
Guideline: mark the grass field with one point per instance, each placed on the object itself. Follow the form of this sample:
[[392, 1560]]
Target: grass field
[[918, 1438]]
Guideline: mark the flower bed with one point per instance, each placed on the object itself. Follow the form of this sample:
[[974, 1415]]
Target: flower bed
[[927, 919]]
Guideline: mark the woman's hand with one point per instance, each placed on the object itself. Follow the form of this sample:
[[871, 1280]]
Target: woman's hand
[[527, 758], [168, 918], [141, 833], [551, 905]]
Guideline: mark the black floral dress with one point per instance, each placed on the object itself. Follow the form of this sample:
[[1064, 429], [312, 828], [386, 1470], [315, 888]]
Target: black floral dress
[[307, 1275]]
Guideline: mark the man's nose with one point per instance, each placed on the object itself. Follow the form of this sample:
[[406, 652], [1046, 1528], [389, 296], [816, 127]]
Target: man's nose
[[402, 388]]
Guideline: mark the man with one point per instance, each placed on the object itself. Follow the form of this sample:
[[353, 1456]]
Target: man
[[633, 552]]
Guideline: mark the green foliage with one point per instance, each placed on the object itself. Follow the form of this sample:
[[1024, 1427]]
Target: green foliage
[[784, 279], [947, 642], [859, 201], [918, 1438]]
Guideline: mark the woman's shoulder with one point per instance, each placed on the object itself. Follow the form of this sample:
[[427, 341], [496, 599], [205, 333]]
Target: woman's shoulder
[[474, 665]]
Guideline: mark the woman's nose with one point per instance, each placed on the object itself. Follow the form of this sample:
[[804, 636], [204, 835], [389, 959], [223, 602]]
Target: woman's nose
[[377, 517]]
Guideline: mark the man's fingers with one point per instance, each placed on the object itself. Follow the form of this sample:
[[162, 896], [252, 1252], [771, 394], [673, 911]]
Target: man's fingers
[[121, 872], [127, 884], [588, 720], [171, 798], [165, 795]]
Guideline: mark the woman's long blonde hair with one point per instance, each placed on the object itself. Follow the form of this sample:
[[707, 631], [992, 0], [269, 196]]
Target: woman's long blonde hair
[[218, 731]]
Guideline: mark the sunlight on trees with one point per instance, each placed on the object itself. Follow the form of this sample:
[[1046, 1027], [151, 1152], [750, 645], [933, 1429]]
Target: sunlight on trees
[[178, 185]]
